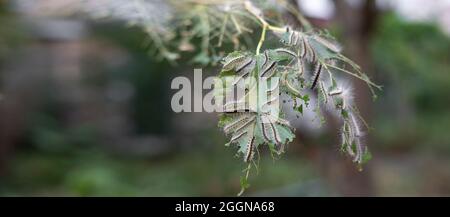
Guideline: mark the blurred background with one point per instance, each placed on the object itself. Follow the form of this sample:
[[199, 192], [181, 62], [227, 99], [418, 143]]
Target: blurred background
[[85, 111]]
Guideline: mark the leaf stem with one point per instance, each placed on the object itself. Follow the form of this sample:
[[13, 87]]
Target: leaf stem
[[356, 76], [261, 40]]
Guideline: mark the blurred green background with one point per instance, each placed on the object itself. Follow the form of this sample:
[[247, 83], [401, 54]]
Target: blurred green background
[[85, 111]]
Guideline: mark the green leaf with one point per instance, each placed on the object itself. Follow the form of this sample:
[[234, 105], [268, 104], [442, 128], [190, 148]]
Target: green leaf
[[300, 108], [244, 185], [306, 99], [344, 113], [272, 147], [366, 157], [322, 52]]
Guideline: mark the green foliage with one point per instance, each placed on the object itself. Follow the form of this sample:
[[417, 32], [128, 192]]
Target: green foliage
[[98, 172], [418, 57], [414, 59], [12, 33], [148, 78]]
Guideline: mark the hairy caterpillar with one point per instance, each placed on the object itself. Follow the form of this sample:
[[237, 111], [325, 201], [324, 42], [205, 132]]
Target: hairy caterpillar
[[275, 134], [357, 134], [266, 59], [346, 139], [304, 49], [317, 71], [286, 51], [310, 51], [237, 137], [300, 66], [292, 88], [292, 37], [244, 65], [250, 147], [244, 70], [245, 124], [323, 91], [283, 122], [335, 92], [230, 64], [270, 70], [264, 131], [228, 128]]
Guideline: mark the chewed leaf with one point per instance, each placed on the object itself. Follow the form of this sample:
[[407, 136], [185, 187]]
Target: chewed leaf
[[322, 51], [328, 43], [286, 135], [249, 128]]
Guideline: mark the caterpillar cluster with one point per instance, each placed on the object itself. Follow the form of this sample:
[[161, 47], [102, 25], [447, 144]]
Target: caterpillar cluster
[[245, 121], [302, 64], [339, 97], [306, 46]]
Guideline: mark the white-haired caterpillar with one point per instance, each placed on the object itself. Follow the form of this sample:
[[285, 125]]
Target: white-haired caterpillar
[[310, 51], [292, 38], [237, 137], [359, 151], [355, 125], [346, 139], [323, 91], [231, 63], [264, 130], [317, 71], [244, 70], [250, 147], [286, 51], [357, 134], [300, 66], [335, 92], [290, 86], [275, 134], [295, 37], [245, 124], [266, 59], [304, 49], [270, 70], [244, 65], [233, 125], [283, 122]]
